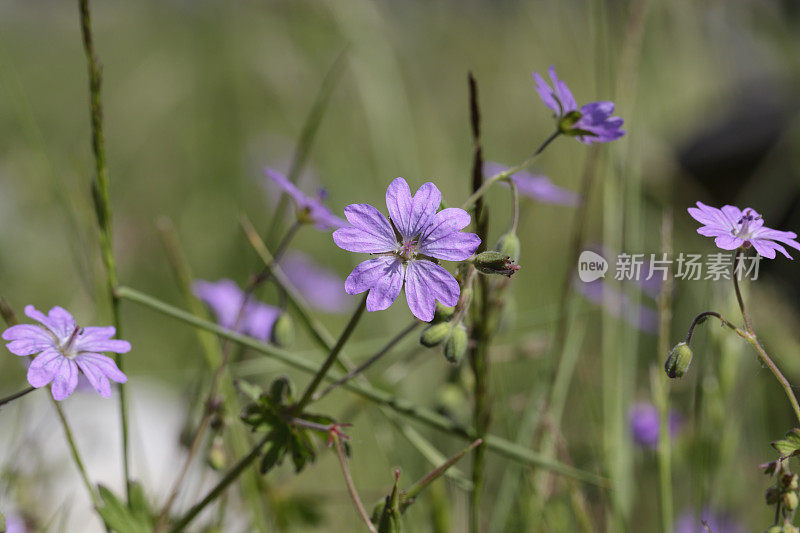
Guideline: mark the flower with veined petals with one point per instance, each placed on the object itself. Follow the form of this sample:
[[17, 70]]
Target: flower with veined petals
[[592, 123], [407, 248], [65, 350], [309, 208], [538, 187], [734, 228], [225, 299]]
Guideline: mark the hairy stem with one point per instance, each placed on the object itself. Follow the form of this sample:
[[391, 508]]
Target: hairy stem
[[351, 488]]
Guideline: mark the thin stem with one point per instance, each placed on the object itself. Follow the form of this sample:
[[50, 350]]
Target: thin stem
[[436, 473], [787, 387], [76, 456], [223, 484], [736, 257], [351, 488], [499, 445], [515, 204], [332, 356], [20, 394], [508, 172], [699, 319], [369, 362]]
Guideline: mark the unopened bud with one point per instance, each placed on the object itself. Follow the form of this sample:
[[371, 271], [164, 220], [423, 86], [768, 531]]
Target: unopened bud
[[443, 313], [774, 529], [568, 121], [790, 500], [679, 360], [456, 344], [435, 335], [790, 481], [283, 330], [492, 262], [216, 455], [772, 495], [508, 244]]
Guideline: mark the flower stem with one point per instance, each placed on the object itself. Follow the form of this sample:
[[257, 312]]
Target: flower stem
[[102, 205], [699, 319], [508, 172], [20, 394], [223, 484], [351, 488], [332, 356], [747, 323], [515, 452], [369, 362], [76, 456], [515, 204]]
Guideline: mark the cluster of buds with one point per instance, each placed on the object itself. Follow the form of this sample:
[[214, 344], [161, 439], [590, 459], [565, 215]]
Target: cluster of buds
[[784, 494], [446, 330]]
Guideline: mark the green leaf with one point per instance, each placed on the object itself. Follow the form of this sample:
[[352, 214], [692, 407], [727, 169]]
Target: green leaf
[[789, 446], [118, 517], [253, 392], [273, 456]]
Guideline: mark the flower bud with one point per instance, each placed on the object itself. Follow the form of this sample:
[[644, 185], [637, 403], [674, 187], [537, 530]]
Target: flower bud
[[491, 262], [283, 330], [790, 500], [772, 495], [565, 125], [456, 344], [679, 360], [774, 529], [790, 481], [216, 454], [443, 313], [508, 244], [435, 335]]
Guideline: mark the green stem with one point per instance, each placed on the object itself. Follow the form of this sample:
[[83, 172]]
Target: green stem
[[497, 444], [103, 209], [747, 323], [76, 456], [223, 484], [351, 487], [508, 172], [20, 394], [332, 356]]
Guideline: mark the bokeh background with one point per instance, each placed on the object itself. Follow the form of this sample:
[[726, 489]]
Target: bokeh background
[[200, 95]]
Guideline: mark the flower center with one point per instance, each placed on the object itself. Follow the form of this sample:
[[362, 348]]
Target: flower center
[[67, 348], [748, 217], [407, 249]]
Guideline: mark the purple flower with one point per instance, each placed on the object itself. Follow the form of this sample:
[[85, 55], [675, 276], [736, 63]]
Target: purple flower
[[225, 299], [65, 350], [592, 123], [644, 424], [319, 286], [310, 209], [689, 522], [538, 187], [734, 228], [406, 248], [15, 524]]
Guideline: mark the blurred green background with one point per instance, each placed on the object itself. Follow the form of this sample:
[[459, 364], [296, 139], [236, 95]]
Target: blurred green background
[[199, 96]]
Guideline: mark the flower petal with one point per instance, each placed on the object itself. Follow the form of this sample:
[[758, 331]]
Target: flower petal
[[546, 93], [424, 205], [382, 276], [259, 319], [300, 198], [563, 93], [37, 315], [728, 242], [360, 241], [444, 239], [223, 297], [427, 282], [63, 322], [43, 369], [767, 248], [369, 220], [66, 379], [27, 339], [400, 205], [103, 364]]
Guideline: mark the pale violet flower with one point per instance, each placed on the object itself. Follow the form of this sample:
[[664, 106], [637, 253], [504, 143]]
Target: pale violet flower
[[309, 208], [734, 228], [690, 522], [225, 299], [592, 123], [645, 425], [407, 248], [537, 187], [64, 349], [319, 286]]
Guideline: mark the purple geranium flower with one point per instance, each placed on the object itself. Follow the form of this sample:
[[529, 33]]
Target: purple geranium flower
[[225, 299], [734, 228], [309, 208], [65, 349], [644, 424], [689, 522], [538, 187], [592, 123], [319, 286], [406, 248]]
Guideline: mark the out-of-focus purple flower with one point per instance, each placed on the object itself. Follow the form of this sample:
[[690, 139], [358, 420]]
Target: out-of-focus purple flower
[[538, 187], [619, 304], [644, 424], [319, 286], [734, 228], [225, 299], [592, 123], [65, 350], [15, 524], [690, 522], [310, 209], [404, 247]]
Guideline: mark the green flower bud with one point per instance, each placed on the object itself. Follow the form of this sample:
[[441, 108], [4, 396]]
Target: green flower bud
[[565, 125], [790, 500], [774, 529], [216, 455], [772, 495], [790, 481], [443, 313], [283, 330], [456, 344], [508, 244], [679, 360], [492, 262], [435, 335]]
